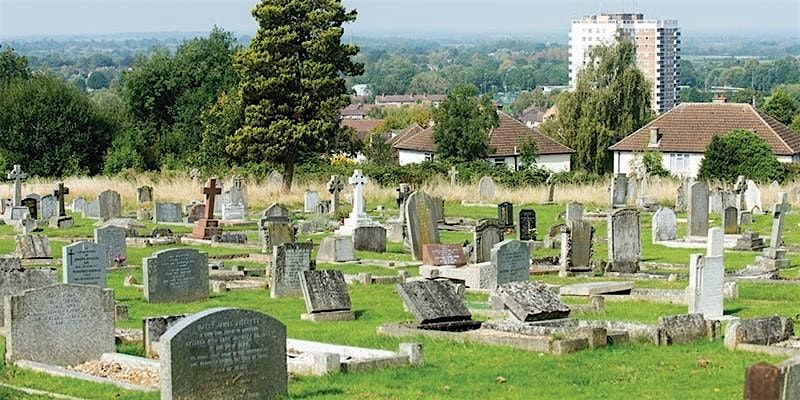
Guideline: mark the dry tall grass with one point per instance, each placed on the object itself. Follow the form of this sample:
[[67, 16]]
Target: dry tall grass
[[261, 194]]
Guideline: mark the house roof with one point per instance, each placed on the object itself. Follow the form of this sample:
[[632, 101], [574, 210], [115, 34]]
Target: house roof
[[410, 98], [358, 109], [505, 139], [689, 127], [362, 126], [532, 114]]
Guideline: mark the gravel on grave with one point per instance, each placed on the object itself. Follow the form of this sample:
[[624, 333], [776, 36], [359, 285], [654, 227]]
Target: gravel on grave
[[791, 343], [118, 372]]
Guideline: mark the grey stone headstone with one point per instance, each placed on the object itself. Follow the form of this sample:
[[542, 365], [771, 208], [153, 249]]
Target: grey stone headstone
[[336, 249], [48, 207], [433, 302], [78, 204], [664, 225], [761, 331], [110, 205], [233, 211], [697, 218], [619, 191], [706, 279], [512, 259], [485, 235], [144, 194], [715, 202], [752, 198], [61, 325], [310, 201], [370, 238], [224, 353], [195, 213], [682, 329], [421, 221], [33, 246], [85, 263], [14, 279], [730, 220], [576, 246], [276, 212], [175, 275], [274, 233], [485, 189], [91, 209], [776, 234], [527, 225], [532, 301], [624, 241], [790, 369], [574, 211], [325, 291], [113, 237], [288, 261], [167, 212]]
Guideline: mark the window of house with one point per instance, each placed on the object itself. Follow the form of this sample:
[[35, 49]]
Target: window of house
[[499, 162], [428, 156], [679, 162]]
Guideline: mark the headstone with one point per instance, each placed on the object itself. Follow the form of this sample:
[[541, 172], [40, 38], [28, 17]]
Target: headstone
[[762, 381], [684, 328], [336, 249], [288, 261], [619, 191], [664, 225], [697, 218], [167, 212], [486, 234], [325, 291], [206, 227], [532, 301], [370, 238], [196, 212], [144, 194], [175, 276], [527, 225], [14, 279], [438, 209], [324, 207], [422, 226], [551, 188], [274, 233], [776, 234], [512, 258], [358, 217], [33, 246], [715, 200], [730, 220], [91, 209], [682, 197], [624, 241], [574, 211], [233, 211], [452, 173], [224, 353], [576, 247], [310, 201], [443, 254], [275, 178], [110, 205], [78, 204], [335, 187], [790, 370], [60, 220], [433, 302], [752, 198], [85, 263], [237, 194], [706, 278], [276, 212], [505, 215], [61, 325], [761, 331], [486, 189], [48, 205], [31, 201], [113, 237]]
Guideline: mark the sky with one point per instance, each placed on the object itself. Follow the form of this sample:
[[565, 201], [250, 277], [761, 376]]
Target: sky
[[408, 18]]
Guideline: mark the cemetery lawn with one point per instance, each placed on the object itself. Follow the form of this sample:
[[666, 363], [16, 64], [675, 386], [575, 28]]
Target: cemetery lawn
[[704, 370]]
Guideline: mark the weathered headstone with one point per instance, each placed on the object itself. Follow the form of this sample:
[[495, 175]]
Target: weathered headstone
[[697, 217], [48, 207], [195, 213], [370, 238], [512, 259], [452, 173], [422, 226], [762, 381], [527, 225], [752, 198], [274, 232], [486, 189], [78, 204], [310, 201], [175, 275], [276, 212], [144, 194], [275, 178], [113, 237], [624, 241], [85, 263], [574, 211], [443, 254], [433, 302], [167, 212], [682, 197], [33, 246], [335, 187], [664, 225], [730, 220], [233, 211], [551, 188], [325, 293], [505, 215], [532, 301], [224, 353], [706, 278], [324, 207], [336, 249], [576, 247], [288, 261], [110, 205], [61, 325], [31, 202], [91, 209], [619, 191], [14, 279], [485, 235]]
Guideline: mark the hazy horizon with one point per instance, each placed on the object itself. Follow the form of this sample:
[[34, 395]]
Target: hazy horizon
[[408, 18]]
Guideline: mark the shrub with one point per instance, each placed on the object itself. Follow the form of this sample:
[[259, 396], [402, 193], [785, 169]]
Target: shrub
[[737, 153]]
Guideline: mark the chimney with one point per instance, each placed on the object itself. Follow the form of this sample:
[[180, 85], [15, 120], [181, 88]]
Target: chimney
[[719, 98], [655, 137]]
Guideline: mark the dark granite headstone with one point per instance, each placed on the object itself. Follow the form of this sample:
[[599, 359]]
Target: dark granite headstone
[[505, 215], [325, 291], [527, 225], [370, 238]]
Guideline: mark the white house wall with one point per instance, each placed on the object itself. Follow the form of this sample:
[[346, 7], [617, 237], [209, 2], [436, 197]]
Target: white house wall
[[623, 159], [406, 157]]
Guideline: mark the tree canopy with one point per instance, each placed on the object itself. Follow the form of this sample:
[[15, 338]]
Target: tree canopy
[[781, 106], [740, 152], [463, 123]]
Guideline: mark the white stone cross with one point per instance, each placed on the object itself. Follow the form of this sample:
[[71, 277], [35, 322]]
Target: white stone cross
[[17, 175], [358, 180], [453, 173]]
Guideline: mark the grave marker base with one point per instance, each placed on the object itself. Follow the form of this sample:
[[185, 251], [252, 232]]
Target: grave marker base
[[206, 228], [329, 316]]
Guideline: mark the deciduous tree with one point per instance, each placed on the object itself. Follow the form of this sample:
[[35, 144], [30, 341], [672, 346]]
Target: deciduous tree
[[463, 123]]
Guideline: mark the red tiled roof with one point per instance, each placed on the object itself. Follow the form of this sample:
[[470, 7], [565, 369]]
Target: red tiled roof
[[689, 127], [410, 98], [362, 126], [417, 139], [356, 110]]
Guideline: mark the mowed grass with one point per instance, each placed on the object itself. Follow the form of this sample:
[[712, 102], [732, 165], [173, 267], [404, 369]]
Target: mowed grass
[[458, 371]]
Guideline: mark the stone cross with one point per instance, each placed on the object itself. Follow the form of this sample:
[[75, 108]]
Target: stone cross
[[358, 180], [60, 193], [211, 190], [18, 176], [551, 184], [452, 173], [335, 186]]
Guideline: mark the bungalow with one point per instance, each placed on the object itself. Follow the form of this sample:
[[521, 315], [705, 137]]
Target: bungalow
[[416, 144], [683, 133]]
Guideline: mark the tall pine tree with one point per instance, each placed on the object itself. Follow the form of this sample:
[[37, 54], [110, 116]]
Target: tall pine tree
[[292, 84]]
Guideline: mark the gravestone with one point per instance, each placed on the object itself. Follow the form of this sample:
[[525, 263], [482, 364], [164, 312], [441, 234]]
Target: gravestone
[[752, 198], [91, 209], [48, 207], [233, 211], [624, 241], [110, 205], [33, 246], [60, 220], [697, 217], [403, 191], [762, 381], [551, 188], [443, 254], [682, 197], [505, 215], [175, 276], [336, 249], [113, 237], [324, 207], [335, 187], [434, 303], [206, 227], [438, 209], [288, 261], [486, 189], [167, 212], [776, 234], [85, 263], [195, 213], [730, 221], [224, 353], [576, 247], [574, 211], [14, 279], [17, 176], [619, 191], [370, 238], [512, 259], [485, 235], [358, 217], [325, 292], [452, 173], [527, 225], [61, 325], [310, 201], [144, 194], [238, 192], [715, 200], [532, 301], [78, 204], [275, 178], [422, 226], [276, 212], [31, 202], [664, 225], [706, 278], [274, 232]]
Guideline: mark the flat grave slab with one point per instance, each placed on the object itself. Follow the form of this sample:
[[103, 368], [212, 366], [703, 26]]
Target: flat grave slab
[[594, 288]]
